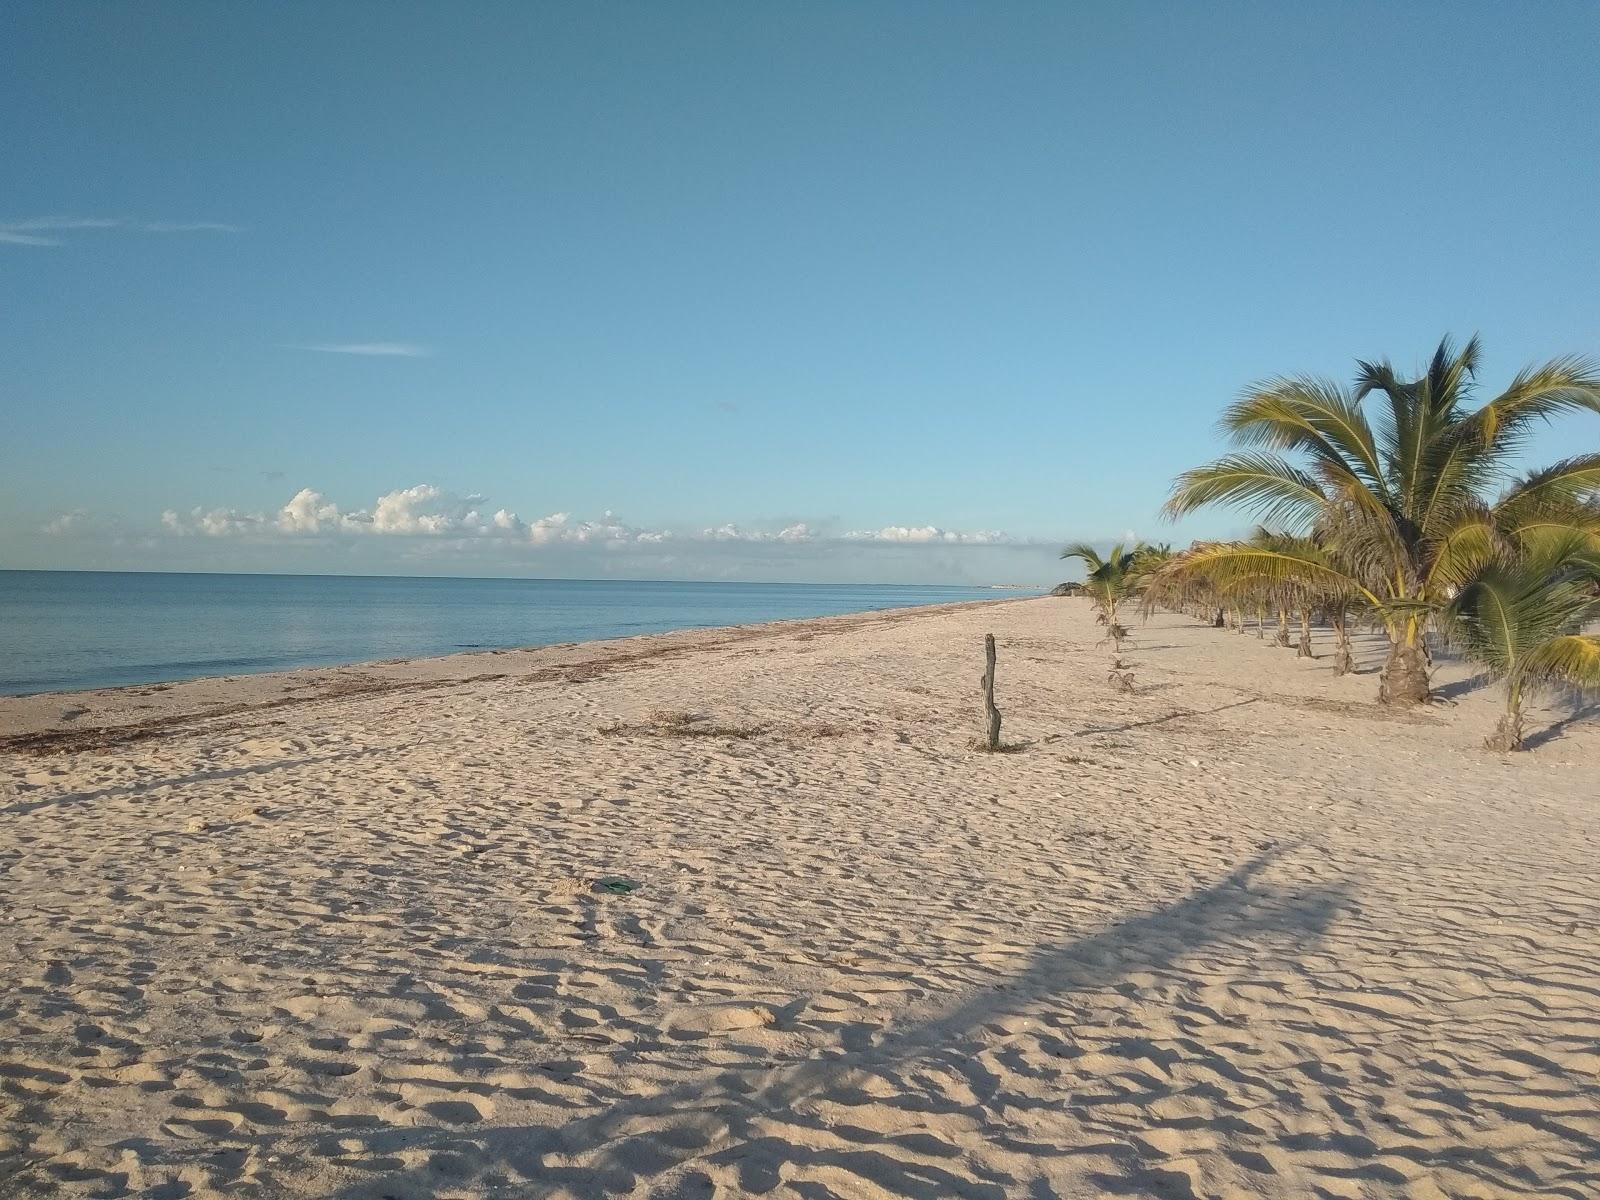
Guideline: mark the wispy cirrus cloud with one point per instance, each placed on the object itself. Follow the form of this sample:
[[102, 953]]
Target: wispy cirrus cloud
[[49, 231], [14, 237], [370, 349], [189, 227]]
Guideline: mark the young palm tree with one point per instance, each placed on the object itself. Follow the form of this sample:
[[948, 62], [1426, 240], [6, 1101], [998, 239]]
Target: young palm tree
[[1112, 580], [1185, 576], [1398, 501], [1287, 595], [1336, 606], [1148, 558], [1523, 620]]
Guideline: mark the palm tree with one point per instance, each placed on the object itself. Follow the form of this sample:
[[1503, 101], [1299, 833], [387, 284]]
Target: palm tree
[[1110, 580], [1398, 502], [1185, 576], [1523, 621], [1168, 584]]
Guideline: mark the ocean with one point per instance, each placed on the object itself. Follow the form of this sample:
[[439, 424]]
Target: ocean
[[64, 630]]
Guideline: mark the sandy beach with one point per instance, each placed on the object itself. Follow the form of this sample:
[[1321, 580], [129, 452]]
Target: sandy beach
[[347, 932]]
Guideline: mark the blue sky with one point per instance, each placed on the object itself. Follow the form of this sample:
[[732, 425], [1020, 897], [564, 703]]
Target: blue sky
[[878, 292]]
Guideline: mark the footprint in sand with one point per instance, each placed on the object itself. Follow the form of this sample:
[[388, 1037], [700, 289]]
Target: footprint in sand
[[710, 1020]]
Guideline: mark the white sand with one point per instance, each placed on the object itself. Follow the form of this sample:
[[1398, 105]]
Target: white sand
[[1241, 933]]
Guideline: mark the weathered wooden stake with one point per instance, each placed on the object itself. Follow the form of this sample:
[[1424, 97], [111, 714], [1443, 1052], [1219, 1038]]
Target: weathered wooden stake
[[990, 712]]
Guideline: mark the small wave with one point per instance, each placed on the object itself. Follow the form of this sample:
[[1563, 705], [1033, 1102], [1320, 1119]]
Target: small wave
[[223, 665]]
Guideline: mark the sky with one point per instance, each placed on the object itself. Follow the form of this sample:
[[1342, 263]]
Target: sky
[[858, 292]]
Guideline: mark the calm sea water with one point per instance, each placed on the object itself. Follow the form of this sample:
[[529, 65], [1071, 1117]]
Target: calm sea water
[[81, 629]]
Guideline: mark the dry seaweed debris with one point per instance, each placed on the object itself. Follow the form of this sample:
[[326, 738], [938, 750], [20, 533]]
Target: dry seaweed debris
[[678, 723]]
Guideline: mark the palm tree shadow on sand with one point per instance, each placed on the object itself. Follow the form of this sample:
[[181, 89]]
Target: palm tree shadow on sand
[[1578, 713], [721, 1120]]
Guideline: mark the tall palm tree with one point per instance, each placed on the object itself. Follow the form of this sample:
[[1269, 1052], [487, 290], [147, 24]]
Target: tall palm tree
[[1399, 501], [1523, 620]]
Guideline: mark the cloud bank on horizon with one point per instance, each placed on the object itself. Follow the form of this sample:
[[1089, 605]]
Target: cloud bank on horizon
[[425, 511]]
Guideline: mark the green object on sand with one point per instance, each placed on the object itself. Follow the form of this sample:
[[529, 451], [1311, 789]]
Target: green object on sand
[[617, 885]]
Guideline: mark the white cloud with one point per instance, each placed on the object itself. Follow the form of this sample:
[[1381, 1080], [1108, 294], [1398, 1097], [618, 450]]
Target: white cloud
[[928, 533], [68, 523], [188, 227], [426, 511], [216, 522], [42, 231], [370, 349], [798, 532], [309, 512], [548, 529], [429, 511], [13, 237]]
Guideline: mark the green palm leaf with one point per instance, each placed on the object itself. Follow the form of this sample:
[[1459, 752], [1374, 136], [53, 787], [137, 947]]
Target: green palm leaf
[[1279, 492], [1572, 659]]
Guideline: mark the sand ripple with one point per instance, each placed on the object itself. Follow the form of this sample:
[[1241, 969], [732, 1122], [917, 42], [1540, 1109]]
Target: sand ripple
[[1236, 934]]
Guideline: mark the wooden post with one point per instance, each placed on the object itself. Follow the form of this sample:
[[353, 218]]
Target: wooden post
[[990, 712]]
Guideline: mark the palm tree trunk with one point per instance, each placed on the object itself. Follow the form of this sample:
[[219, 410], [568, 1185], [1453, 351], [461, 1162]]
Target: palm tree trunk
[[1404, 679], [1283, 626], [1261, 622], [1305, 634], [1343, 661], [1507, 735]]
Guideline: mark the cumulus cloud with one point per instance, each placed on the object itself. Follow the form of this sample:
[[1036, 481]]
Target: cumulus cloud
[[421, 511], [46, 231], [429, 512], [798, 532], [309, 512], [928, 534], [369, 349], [216, 522]]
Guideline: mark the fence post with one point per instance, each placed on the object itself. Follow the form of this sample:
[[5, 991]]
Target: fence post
[[990, 712]]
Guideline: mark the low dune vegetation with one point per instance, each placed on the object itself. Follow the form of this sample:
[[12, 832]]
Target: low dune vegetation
[[1399, 505]]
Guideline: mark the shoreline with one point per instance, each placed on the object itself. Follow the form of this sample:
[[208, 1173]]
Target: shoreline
[[142, 629], [94, 718]]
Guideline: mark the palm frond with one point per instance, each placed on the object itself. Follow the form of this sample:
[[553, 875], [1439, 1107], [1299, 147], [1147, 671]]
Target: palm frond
[[1275, 489], [1234, 565], [1572, 659], [1537, 394], [1085, 552], [1507, 616], [1565, 484], [1309, 414]]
